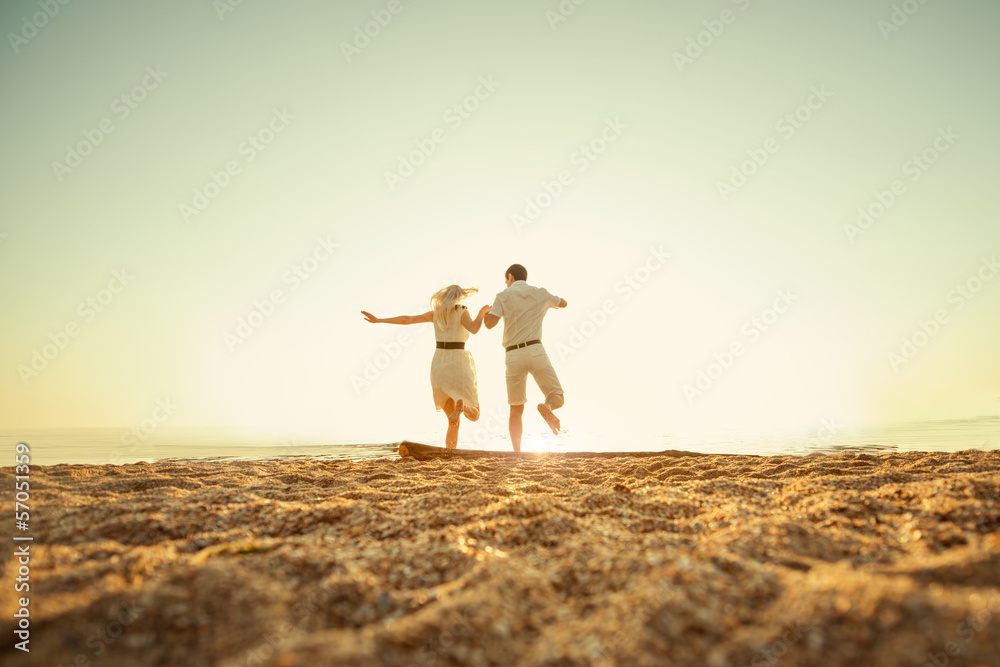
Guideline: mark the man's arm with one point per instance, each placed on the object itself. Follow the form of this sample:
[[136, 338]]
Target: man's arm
[[496, 312]]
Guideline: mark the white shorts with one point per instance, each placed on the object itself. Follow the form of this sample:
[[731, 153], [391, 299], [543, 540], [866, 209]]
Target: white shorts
[[534, 360]]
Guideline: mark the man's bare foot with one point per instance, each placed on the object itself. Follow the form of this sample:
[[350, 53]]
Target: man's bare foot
[[549, 418], [456, 413]]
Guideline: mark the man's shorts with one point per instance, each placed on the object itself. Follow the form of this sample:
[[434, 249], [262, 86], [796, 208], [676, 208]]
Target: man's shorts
[[534, 360]]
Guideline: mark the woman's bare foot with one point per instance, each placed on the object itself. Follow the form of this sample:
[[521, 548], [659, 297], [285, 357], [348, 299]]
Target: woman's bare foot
[[549, 418]]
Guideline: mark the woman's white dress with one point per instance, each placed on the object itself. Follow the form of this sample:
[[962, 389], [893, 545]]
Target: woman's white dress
[[453, 372]]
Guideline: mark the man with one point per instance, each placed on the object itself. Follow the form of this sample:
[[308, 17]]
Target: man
[[522, 308]]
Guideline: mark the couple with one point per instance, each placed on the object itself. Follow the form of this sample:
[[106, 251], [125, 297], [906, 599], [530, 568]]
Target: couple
[[453, 372]]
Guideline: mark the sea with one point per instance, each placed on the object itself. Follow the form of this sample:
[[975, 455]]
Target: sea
[[116, 446]]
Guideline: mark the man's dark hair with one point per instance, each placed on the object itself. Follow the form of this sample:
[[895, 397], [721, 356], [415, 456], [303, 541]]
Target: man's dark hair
[[518, 271]]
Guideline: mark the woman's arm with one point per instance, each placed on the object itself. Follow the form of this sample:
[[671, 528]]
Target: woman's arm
[[400, 319], [473, 325]]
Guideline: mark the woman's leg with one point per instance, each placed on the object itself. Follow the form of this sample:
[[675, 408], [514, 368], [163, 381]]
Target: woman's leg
[[453, 411], [451, 438]]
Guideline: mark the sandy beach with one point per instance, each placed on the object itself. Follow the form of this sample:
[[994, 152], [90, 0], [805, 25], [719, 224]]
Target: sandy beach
[[845, 559]]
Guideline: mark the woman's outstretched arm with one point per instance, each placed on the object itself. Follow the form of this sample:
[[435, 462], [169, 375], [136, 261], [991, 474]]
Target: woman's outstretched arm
[[473, 324], [400, 319]]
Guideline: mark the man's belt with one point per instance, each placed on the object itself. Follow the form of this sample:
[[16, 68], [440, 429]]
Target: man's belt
[[520, 345], [443, 345]]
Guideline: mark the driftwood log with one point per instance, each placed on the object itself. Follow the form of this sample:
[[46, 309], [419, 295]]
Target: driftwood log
[[423, 452]]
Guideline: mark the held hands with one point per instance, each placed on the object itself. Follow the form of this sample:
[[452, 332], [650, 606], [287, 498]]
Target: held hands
[[484, 311], [370, 318]]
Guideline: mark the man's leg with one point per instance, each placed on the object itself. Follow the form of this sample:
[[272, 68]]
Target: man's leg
[[516, 426], [545, 410], [517, 379], [547, 380]]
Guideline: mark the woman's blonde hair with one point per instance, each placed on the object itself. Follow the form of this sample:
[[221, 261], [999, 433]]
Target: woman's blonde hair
[[443, 301]]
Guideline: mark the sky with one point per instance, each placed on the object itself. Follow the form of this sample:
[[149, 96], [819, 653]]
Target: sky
[[761, 214]]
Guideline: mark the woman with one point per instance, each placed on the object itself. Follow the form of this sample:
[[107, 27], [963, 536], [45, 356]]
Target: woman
[[453, 372]]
